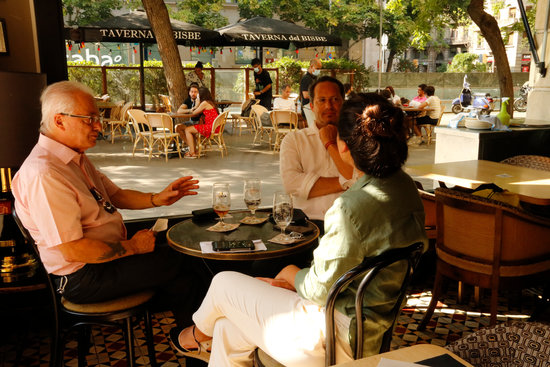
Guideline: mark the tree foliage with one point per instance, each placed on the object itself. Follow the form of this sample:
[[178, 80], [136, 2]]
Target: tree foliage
[[205, 13], [84, 12], [466, 63]]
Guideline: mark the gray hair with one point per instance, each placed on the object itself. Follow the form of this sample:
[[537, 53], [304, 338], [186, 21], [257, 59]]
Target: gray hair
[[59, 97]]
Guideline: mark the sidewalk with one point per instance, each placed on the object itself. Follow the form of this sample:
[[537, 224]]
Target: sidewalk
[[243, 161]]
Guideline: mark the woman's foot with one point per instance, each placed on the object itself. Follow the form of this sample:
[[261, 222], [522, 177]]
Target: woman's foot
[[191, 342], [190, 155]]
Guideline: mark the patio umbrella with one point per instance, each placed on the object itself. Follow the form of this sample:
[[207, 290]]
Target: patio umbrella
[[134, 27], [268, 32]]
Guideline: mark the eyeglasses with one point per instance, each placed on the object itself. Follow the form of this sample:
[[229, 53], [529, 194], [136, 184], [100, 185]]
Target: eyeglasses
[[88, 120], [109, 208]]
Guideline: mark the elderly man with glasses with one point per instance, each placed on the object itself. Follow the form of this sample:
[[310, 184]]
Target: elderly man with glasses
[[70, 209]]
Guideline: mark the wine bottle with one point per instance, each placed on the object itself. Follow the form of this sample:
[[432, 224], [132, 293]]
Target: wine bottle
[[503, 115], [17, 259]]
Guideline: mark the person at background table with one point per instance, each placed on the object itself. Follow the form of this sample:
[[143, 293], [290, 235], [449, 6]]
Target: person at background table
[[395, 98], [70, 209], [311, 168], [386, 94], [191, 103], [284, 316], [308, 79], [433, 103], [209, 110], [420, 97], [196, 76], [284, 102], [349, 93], [263, 90]]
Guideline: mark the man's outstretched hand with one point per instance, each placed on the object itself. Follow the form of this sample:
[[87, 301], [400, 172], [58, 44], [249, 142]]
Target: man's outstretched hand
[[181, 187]]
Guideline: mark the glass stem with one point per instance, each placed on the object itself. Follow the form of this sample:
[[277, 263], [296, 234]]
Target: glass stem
[[253, 211]]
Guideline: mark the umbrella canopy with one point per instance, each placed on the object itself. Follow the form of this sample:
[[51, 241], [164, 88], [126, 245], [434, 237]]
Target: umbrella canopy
[[135, 27], [267, 32]]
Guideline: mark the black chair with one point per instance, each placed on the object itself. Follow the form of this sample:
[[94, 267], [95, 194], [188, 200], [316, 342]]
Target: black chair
[[367, 272], [118, 313]]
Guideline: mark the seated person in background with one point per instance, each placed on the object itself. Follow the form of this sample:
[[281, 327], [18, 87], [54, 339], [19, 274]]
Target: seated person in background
[[386, 94], [196, 76], [311, 168], [207, 108], [421, 97], [434, 104], [285, 316], [395, 98], [284, 102], [191, 102], [70, 210], [349, 93]]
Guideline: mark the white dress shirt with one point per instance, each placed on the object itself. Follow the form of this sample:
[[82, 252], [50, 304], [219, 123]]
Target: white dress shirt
[[303, 160]]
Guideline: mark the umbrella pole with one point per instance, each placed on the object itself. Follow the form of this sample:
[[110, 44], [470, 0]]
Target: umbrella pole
[[141, 77]]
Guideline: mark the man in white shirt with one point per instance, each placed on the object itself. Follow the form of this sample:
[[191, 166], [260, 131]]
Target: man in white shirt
[[284, 102], [311, 167]]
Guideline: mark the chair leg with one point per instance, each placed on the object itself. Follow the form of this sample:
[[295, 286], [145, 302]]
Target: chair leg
[[149, 338], [460, 292], [84, 334], [433, 303], [129, 340], [494, 304], [477, 295]]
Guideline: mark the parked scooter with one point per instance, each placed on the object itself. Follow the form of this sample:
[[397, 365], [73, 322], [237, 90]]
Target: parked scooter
[[520, 103], [483, 103]]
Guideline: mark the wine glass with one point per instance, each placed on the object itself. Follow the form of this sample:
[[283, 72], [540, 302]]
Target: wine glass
[[252, 194], [221, 199], [282, 211]]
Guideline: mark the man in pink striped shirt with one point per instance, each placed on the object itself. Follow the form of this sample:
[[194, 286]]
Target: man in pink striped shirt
[[70, 209]]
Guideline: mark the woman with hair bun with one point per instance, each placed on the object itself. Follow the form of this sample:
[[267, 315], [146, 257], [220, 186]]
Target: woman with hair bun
[[284, 316]]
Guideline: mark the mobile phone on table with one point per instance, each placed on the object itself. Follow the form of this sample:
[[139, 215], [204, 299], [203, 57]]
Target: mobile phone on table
[[239, 245]]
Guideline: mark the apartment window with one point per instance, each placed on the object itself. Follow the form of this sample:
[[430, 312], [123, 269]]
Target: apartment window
[[512, 13]]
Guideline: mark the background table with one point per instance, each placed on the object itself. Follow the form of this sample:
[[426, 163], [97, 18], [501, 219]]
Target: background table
[[186, 236], [410, 354], [530, 184]]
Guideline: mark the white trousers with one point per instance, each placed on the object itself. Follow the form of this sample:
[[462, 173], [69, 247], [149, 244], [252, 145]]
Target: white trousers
[[242, 313]]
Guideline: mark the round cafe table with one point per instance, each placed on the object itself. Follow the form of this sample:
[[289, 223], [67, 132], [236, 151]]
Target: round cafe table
[[186, 236]]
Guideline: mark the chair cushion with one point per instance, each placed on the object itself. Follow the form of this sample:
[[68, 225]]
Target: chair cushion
[[117, 304], [509, 344]]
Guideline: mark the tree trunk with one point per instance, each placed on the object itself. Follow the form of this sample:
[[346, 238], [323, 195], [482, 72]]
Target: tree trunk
[[171, 61], [489, 29], [391, 56]]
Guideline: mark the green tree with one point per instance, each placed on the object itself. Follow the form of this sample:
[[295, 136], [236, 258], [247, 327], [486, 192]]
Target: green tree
[[430, 14], [205, 13], [84, 12], [466, 63]]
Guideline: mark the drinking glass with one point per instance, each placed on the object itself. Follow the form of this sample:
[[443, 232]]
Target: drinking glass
[[252, 194], [282, 211], [221, 199]]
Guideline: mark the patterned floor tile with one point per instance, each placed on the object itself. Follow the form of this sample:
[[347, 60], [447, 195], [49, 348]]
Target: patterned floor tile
[[449, 323]]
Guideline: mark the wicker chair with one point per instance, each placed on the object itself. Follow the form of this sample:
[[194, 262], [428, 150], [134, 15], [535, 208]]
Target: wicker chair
[[430, 128], [530, 161], [488, 244], [515, 343]]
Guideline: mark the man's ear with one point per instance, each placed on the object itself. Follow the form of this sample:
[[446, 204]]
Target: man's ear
[[58, 121]]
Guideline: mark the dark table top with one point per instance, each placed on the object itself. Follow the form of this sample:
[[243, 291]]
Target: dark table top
[[186, 236]]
